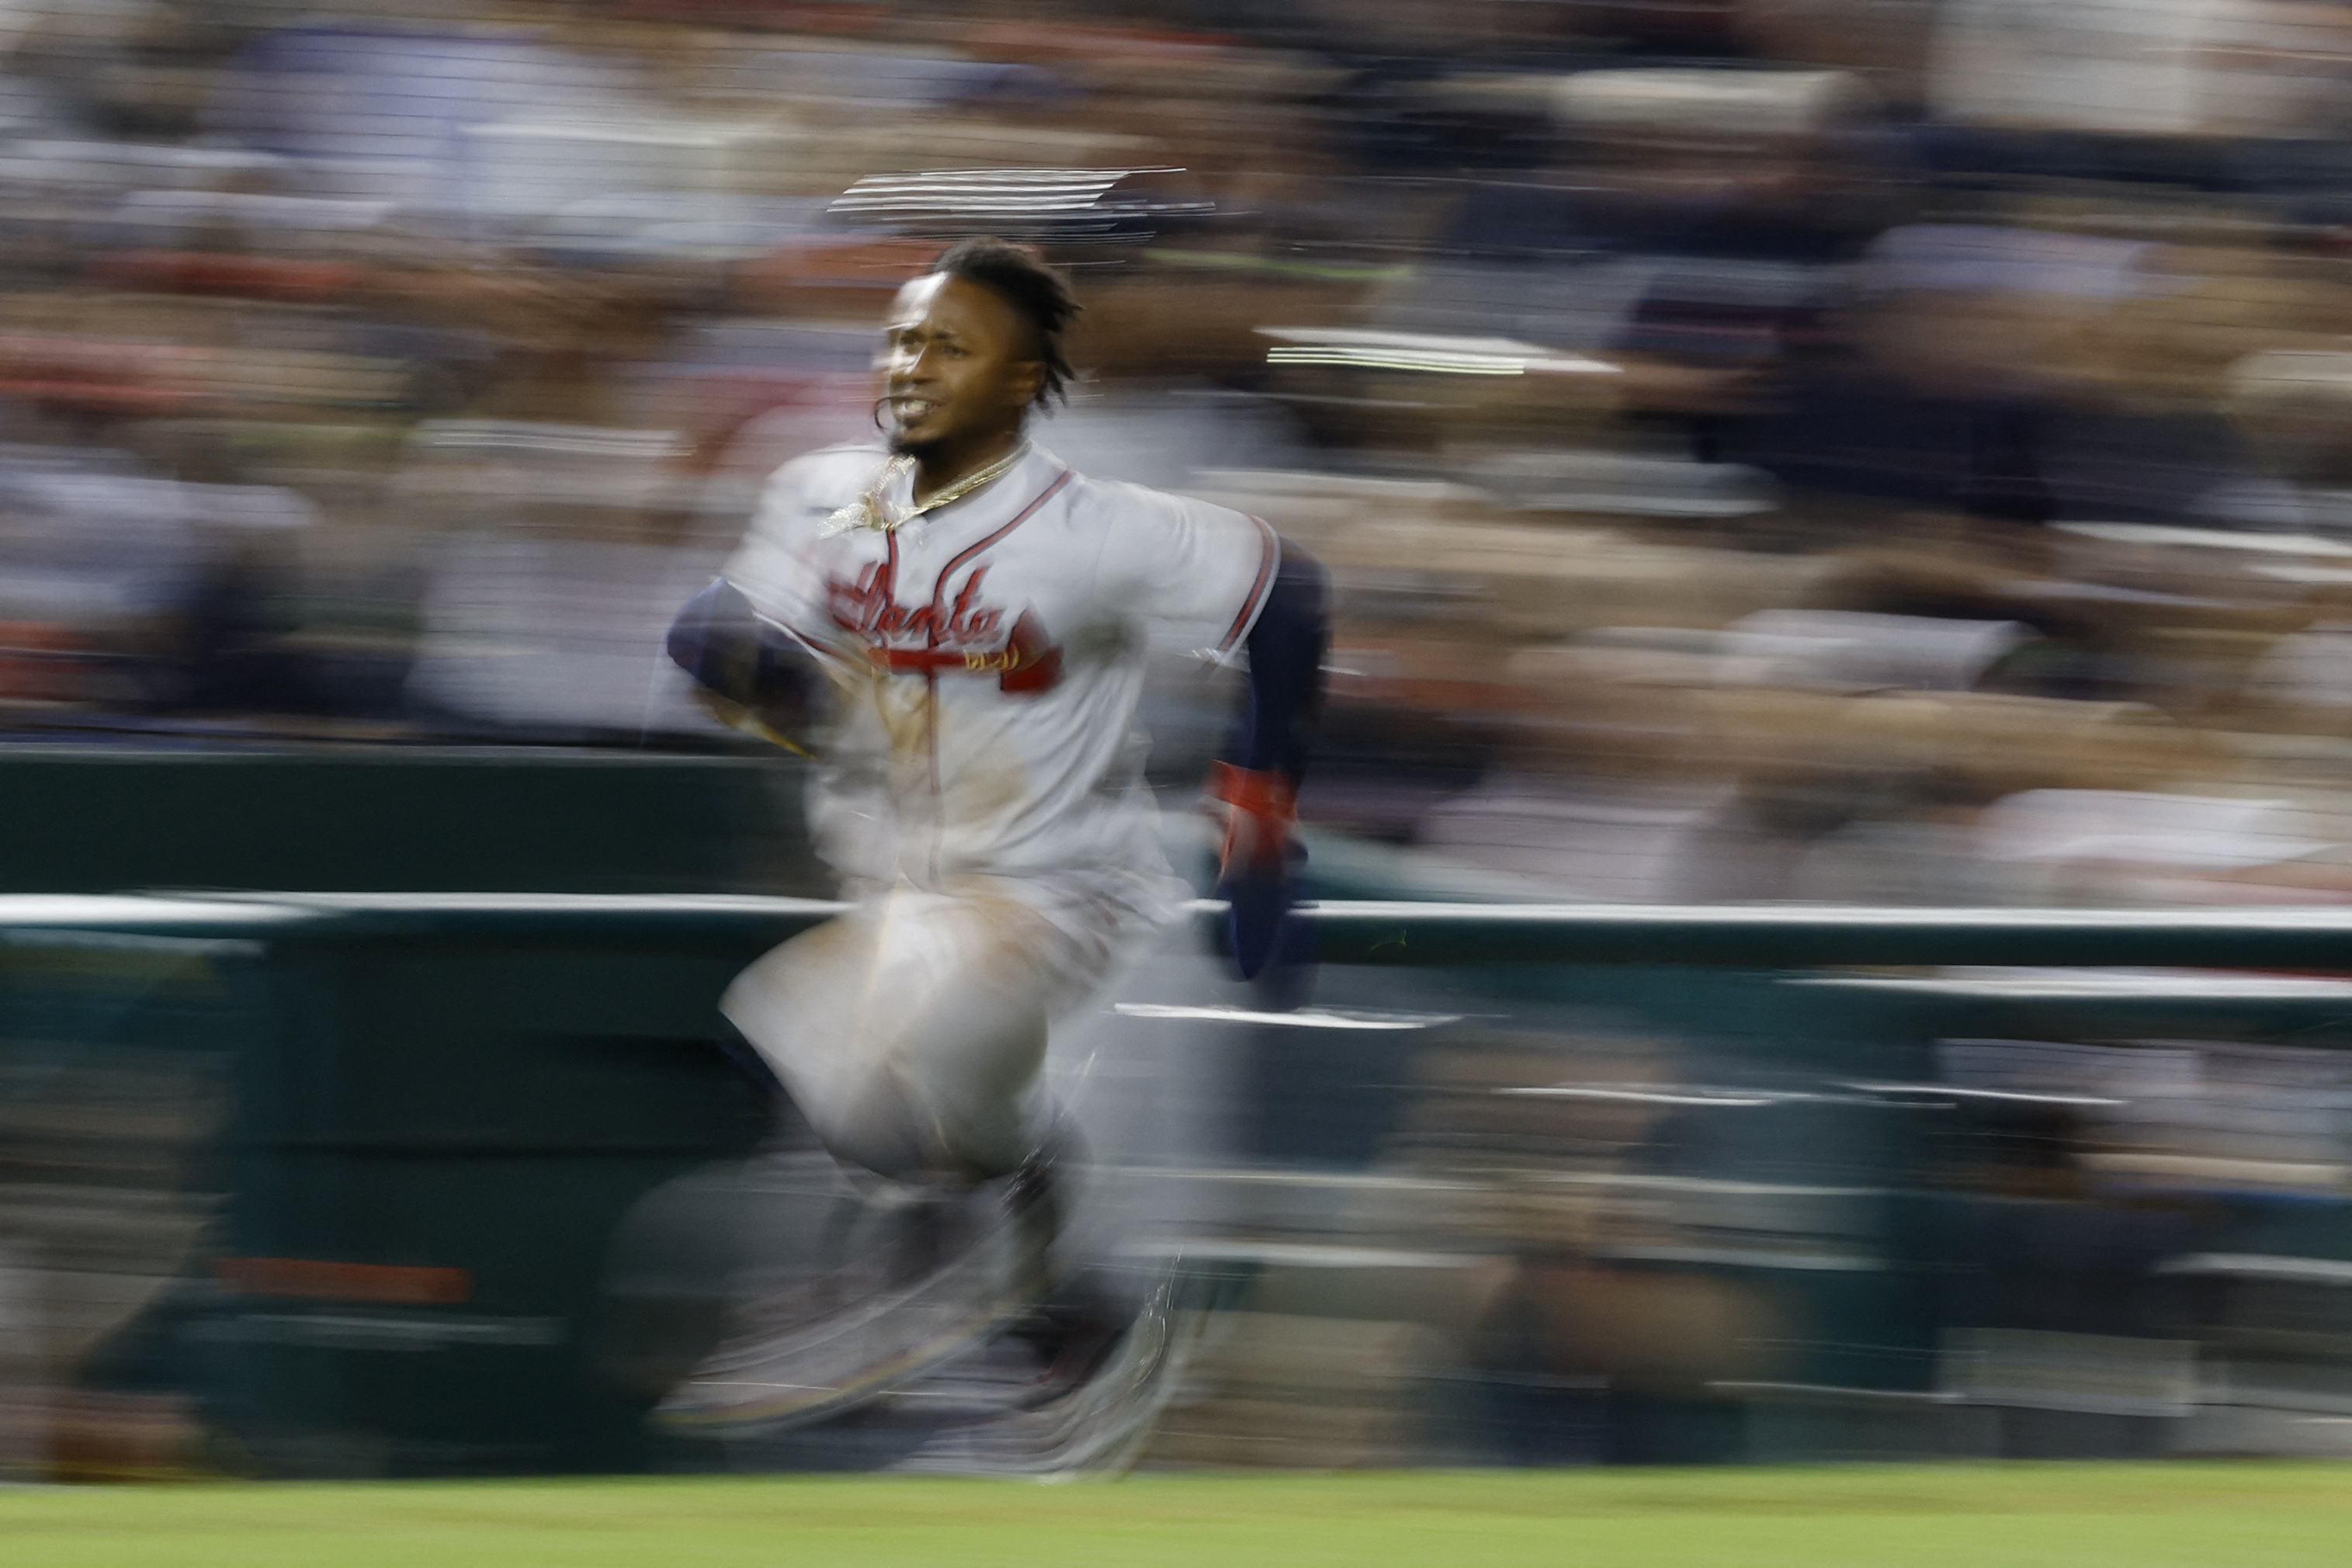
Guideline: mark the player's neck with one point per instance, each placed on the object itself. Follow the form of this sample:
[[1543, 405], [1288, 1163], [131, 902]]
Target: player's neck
[[940, 468]]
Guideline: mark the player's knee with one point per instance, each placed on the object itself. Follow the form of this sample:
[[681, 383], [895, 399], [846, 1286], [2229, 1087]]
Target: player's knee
[[877, 1132], [887, 1128]]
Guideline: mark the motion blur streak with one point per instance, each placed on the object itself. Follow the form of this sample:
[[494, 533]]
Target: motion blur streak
[[1857, 452]]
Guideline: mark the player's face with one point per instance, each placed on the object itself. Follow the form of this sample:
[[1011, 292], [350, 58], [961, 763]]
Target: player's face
[[958, 366]]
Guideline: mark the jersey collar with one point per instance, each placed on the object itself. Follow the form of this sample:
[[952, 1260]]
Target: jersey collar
[[986, 507]]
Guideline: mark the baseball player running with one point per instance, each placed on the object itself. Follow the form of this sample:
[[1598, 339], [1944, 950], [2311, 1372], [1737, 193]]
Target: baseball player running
[[956, 629]]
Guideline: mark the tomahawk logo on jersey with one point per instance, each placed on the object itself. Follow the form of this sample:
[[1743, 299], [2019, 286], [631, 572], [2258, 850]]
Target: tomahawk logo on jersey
[[988, 658]]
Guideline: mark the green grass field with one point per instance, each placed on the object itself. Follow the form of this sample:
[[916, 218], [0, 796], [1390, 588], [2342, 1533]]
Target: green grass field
[[2230, 1515]]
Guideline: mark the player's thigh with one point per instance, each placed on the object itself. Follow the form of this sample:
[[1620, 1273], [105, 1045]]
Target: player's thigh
[[807, 1007], [930, 986], [800, 1003], [973, 987]]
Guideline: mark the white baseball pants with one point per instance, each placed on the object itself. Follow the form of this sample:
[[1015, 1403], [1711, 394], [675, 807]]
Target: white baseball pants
[[910, 1031]]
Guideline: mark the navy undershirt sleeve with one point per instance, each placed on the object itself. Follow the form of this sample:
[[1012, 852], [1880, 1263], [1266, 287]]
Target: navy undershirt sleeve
[[722, 643], [1283, 698]]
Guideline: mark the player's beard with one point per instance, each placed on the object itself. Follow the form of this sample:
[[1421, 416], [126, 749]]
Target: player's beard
[[905, 445]]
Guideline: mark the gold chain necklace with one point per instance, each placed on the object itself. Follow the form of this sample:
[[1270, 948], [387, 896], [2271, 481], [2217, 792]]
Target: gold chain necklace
[[870, 510]]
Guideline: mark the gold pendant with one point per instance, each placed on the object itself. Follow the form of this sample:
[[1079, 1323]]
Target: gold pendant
[[869, 510], [859, 513]]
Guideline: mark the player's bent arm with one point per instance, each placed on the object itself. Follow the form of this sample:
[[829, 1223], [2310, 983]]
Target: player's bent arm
[[1265, 756], [1287, 643], [749, 673]]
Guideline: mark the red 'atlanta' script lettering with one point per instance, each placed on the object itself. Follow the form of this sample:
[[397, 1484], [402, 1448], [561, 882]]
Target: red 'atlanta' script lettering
[[870, 607], [961, 636]]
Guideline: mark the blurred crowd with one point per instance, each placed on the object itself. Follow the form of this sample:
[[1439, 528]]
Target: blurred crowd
[[1855, 449]]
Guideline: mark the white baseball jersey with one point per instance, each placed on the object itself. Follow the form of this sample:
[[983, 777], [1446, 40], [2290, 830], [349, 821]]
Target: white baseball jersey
[[990, 655]]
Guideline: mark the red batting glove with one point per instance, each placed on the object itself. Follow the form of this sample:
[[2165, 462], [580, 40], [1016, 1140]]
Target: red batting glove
[[1264, 808]]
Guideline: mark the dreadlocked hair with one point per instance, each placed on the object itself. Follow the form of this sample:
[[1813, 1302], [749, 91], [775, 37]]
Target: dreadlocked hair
[[1021, 278]]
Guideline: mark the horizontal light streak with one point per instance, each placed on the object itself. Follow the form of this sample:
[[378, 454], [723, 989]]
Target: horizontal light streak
[[1365, 359], [1305, 1018], [1032, 190], [1357, 349]]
